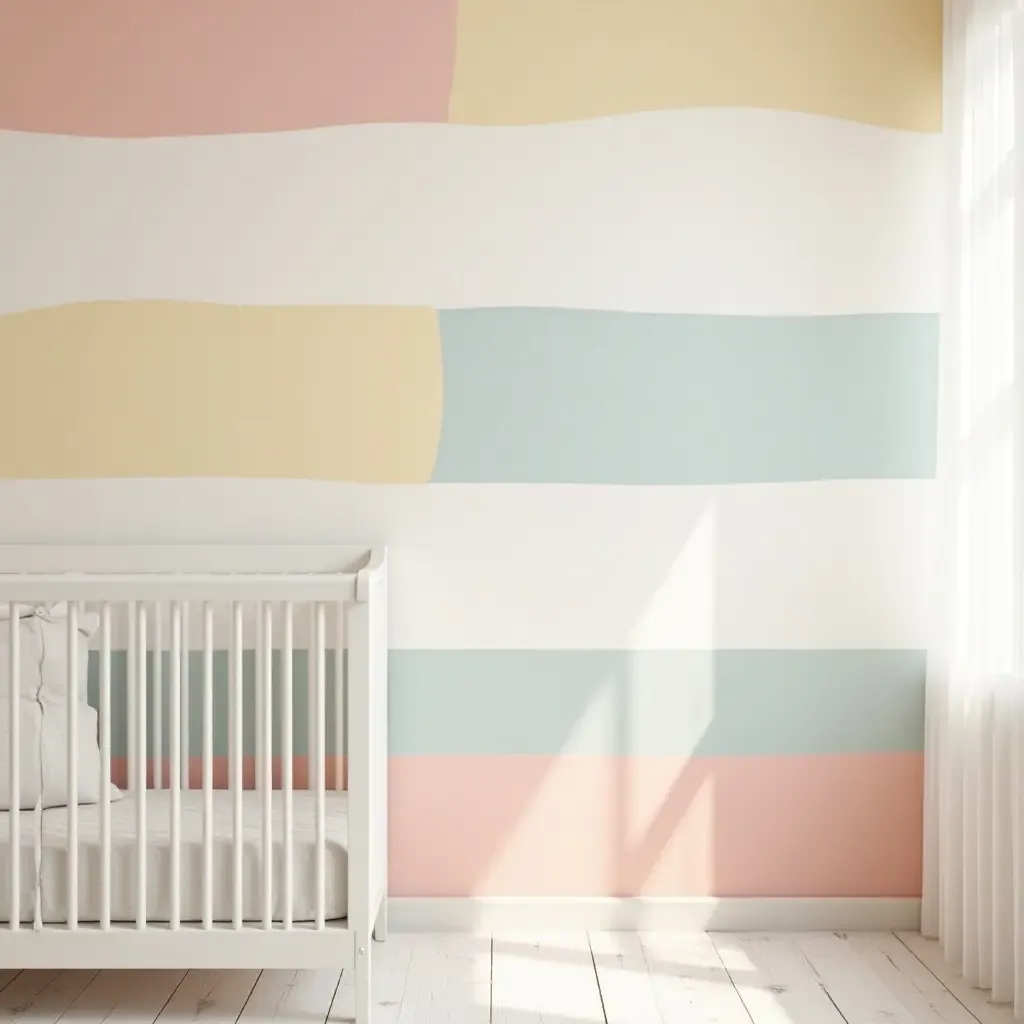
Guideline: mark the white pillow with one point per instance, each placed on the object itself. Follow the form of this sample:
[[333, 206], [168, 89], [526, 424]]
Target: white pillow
[[43, 750], [43, 654], [42, 710], [53, 629], [30, 654]]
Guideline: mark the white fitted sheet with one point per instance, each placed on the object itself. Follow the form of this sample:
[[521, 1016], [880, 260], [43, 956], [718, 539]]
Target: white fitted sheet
[[53, 871]]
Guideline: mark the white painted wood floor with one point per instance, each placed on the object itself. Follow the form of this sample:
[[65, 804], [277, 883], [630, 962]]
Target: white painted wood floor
[[618, 978]]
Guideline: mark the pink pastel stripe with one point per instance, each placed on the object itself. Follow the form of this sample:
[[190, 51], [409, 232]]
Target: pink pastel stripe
[[222, 772], [581, 826], [195, 67], [593, 826]]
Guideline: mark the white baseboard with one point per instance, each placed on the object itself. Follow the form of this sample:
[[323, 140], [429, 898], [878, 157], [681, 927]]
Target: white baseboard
[[476, 914]]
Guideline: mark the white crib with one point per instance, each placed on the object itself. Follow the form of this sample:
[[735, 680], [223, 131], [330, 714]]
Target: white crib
[[171, 870]]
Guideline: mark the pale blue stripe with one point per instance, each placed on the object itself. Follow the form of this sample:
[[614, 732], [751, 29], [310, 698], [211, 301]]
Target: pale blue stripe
[[586, 396], [221, 690], [501, 702], [719, 703]]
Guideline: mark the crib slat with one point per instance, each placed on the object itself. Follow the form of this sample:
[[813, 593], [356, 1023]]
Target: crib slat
[[158, 697], [265, 727], [311, 765], [14, 858], [286, 757], [132, 667], [105, 767], [207, 765], [339, 696], [186, 720], [236, 759], [140, 774], [321, 658], [72, 765], [175, 772], [257, 690]]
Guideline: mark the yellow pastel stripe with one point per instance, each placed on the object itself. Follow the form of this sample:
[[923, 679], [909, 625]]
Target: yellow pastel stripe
[[534, 61], [165, 389]]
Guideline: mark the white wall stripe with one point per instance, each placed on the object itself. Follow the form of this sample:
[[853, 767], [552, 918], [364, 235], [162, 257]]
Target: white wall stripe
[[831, 565], [697, 211]]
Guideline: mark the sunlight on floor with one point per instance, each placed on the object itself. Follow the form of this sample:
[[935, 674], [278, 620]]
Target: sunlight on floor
[[578, 978], [545, 978]]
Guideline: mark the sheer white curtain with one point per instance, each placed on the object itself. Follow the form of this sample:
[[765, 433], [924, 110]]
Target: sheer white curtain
[[974, 753]]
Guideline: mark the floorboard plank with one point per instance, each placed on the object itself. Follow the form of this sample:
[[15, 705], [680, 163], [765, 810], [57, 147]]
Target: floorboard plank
[[627, 988], [545, 979], [976, 1000], [41, 996], [391, 961], [690, 980], [857, 991], [280, 996], [131, 997], [213, 997], [774, 979], [20, 994], [449, 982], [927, 999]]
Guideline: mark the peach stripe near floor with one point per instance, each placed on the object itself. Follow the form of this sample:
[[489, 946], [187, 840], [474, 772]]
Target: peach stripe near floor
[[196, 67], [656, 826], [584, 826]]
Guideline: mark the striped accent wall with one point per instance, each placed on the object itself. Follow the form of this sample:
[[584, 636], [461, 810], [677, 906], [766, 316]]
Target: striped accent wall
[[616, 321]]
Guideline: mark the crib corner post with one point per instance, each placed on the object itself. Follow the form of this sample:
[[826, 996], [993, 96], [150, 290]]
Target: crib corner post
[[367, 683], [364, 979]]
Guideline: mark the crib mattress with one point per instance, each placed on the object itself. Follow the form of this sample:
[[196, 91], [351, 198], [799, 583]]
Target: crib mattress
[[53, 859]]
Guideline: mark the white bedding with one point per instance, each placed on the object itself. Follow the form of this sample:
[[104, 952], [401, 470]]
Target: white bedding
[[158, 862], [41, 708]]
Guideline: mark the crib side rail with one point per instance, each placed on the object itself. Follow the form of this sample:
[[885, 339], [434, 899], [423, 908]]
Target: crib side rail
[[39, 588]]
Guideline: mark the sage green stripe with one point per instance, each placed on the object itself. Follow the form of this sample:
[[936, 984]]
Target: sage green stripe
[[221, 690], [501, 702], [718, 703], [592, 396]]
